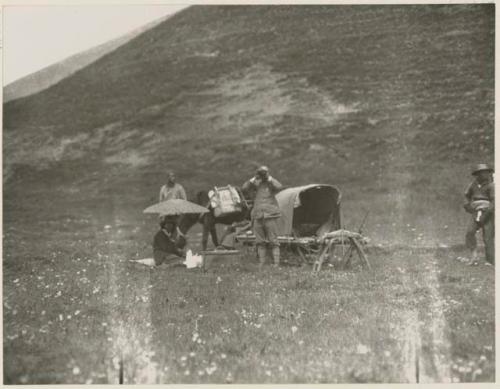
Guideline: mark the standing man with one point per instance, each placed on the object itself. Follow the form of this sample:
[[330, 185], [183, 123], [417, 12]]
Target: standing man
[[172, 190], [480, 202], [265, 213]]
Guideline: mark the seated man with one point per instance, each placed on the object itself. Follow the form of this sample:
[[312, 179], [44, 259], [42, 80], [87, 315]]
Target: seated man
[[166, 247]]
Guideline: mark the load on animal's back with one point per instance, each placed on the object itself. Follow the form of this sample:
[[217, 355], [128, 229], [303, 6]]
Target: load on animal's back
[[226, 204], [225, 201]]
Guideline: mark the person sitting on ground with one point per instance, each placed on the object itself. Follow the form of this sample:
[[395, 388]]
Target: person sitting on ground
[[167, 248], [172, 190]]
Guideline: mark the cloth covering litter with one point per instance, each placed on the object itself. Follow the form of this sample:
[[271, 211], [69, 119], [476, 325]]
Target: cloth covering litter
[[316, 204]]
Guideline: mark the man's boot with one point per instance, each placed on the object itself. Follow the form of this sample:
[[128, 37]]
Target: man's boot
[[474, 259], [261, 253], [276, 255]]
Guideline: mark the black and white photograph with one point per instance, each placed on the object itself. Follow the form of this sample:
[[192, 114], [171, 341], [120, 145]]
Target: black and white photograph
[[248, 193]]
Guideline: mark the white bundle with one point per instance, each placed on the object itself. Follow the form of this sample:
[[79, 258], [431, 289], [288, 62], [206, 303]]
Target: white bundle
[[146, 261], [193, 260], [480, 205]]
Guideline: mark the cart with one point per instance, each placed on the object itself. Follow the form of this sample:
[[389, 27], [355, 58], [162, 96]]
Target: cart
[[311, 223]]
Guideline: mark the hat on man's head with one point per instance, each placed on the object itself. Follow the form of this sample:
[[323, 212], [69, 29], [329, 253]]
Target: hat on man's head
[[263, 169], [165, 219], [480, 168]]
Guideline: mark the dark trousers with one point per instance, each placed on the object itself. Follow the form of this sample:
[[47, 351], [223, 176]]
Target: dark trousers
[[488, 230], [164, 257]]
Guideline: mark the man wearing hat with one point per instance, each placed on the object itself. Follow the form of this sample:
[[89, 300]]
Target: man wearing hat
[[265, 213], [480, 202], [167, 245]]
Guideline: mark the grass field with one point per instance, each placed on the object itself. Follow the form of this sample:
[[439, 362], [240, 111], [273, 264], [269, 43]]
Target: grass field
[[74, 307]]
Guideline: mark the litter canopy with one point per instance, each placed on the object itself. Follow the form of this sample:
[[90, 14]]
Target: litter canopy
[[175, 207], [309, 210]]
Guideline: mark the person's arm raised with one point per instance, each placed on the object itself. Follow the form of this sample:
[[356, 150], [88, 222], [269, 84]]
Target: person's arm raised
[[275, 184]]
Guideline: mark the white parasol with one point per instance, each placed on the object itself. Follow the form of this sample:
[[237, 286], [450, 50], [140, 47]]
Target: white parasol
[[175, 207]]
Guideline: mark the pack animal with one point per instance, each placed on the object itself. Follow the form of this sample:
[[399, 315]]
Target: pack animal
[[209, 220]]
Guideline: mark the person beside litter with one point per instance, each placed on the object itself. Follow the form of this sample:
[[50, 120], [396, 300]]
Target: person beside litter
[[480, 202], [265, 213], [172, 190], [228, 239], [166, 247]]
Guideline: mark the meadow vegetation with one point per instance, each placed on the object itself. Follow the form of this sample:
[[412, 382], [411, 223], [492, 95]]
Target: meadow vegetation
[[74, 306]]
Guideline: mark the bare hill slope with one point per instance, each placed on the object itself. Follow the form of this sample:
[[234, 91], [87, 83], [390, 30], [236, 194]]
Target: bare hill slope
[[379, 99], [42, 79]]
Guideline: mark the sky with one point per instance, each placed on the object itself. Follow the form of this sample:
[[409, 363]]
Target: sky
[[37, 36]]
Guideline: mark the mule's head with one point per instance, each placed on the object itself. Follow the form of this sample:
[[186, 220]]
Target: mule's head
[[202, 198]]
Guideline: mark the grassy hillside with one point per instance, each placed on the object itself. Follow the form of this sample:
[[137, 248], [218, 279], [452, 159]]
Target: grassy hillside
[[56, 72], [386, 101], [391, 103]]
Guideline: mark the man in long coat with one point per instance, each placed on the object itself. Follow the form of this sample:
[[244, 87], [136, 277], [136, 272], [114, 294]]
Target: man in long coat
[[265, 213], [480, 202]]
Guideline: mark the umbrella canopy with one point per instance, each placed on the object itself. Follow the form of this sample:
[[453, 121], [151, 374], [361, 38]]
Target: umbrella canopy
[[175, 207]]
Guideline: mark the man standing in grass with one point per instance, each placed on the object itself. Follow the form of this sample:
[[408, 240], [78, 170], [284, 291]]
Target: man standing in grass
[[265, 213], [172, 190], [480, 202]]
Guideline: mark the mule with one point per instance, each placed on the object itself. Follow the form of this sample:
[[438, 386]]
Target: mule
[[209, 220]]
